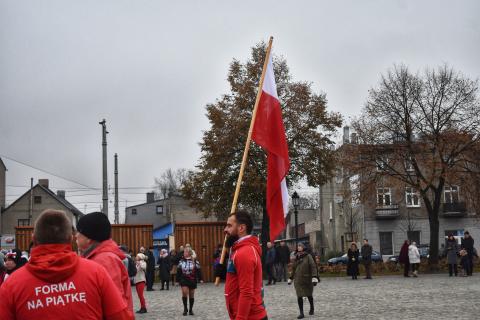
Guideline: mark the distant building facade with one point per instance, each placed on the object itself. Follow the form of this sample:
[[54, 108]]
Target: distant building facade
[[26, 209], [161, 212]]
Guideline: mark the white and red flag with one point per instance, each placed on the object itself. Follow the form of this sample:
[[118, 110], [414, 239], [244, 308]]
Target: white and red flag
[[269, 133]]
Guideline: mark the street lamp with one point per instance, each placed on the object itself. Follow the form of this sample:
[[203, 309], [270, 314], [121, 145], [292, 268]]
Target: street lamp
[[295, 202]]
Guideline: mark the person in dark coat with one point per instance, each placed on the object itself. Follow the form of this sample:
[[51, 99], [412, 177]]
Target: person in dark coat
[[305, 277], [353, 261], [164, 267], [217, 269], [283, 253], [270, 263], [367, 258], [174, 260], [452, 253], [467, 244], [403, 258], [150, 274]]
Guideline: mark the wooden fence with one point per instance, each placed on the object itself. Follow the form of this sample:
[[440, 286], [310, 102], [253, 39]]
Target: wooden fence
[[204, 238], [132, 235]]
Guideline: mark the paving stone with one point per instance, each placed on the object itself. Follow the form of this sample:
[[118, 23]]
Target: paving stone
[[394, 297]]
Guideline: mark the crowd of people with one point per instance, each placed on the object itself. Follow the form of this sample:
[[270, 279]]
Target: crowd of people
[[95, 282]]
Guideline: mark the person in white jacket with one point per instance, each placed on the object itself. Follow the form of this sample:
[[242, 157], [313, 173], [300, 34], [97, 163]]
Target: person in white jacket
[[140, 280], [414, 258]]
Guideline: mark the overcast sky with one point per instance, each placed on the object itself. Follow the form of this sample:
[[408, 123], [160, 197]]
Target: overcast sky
[[150, 67]]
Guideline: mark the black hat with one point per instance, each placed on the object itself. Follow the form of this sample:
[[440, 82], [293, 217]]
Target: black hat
[[95, 226]]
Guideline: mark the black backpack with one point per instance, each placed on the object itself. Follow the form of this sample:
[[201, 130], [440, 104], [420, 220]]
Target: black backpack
[[132, 269]]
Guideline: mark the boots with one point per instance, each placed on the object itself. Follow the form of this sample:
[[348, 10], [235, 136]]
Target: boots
[[190, 312], [185, 309], [142, 310], [312, 308], [300, 307]]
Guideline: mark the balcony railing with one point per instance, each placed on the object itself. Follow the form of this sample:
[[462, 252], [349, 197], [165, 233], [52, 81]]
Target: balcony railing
[[454, 209], [387, 212]]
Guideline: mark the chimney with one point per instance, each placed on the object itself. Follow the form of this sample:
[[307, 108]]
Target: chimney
[[61, 193], [150, 197], [43, 182], [346, 134]]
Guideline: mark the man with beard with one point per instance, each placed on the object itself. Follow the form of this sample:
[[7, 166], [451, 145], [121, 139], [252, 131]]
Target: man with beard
[[243, 287]]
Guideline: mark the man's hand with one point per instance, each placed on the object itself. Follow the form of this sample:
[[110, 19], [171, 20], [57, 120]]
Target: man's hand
[[314, 281], [289, 281]]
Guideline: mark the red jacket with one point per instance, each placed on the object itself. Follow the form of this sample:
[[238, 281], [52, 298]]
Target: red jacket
[[244, 286], [110, 257], [57, 284]]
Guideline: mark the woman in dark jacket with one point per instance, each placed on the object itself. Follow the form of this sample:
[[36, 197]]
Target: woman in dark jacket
[[403, 258], [352, 264], [164, 267], [174, 260], [305, 277], [452, 253]]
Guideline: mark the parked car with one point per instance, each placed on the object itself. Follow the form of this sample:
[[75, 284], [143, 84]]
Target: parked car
[[376, 257], [423, 249]]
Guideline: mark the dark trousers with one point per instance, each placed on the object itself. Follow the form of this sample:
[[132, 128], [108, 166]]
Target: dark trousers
[[150, 277], [406, 269], [282, 271], [452, 268], [368, 271], [469, 265], [414, 266], [271, 273]]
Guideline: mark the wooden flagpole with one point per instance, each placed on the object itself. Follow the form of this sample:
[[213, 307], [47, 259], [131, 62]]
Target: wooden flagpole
[[247, 149]]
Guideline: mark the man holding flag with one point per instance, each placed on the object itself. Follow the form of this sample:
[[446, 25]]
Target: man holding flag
[[244, 287]]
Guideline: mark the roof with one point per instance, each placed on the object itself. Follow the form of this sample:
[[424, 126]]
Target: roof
[[163, 232], [62, 201], [2, 164], [146, 203]]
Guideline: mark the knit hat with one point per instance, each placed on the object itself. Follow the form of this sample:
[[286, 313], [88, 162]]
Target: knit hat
[[301, 244], [95, 226], [15, 255]]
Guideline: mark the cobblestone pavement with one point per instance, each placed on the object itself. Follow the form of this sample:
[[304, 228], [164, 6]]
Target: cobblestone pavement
[[393, 297]]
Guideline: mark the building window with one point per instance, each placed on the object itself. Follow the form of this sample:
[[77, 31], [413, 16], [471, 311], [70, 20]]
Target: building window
[[414, 236], [411, 197], [451, 194], [37, 199], [384, 197], [386, 243], [159, 209], [382, 163], [409, 164], [134, 211], [23, 222]]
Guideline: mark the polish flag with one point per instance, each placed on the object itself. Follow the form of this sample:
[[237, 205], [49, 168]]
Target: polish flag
[[269, 133]]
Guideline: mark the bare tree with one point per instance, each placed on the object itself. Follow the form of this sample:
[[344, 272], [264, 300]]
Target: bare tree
[[418, 131], [170, 181]]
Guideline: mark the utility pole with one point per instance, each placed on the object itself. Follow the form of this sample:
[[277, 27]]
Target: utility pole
[[116, 190], [105, 181], [30, 214]]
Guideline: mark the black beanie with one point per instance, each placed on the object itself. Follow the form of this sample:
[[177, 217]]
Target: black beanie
[[95, 226]]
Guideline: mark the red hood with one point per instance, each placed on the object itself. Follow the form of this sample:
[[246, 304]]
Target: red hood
[[107, 246], [52, 262], [248, 241]]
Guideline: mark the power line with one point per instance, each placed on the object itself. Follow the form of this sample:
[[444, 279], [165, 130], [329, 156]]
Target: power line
[[45, 171]]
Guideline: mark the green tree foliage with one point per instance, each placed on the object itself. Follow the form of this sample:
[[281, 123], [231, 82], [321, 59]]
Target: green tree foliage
[[309, 128]]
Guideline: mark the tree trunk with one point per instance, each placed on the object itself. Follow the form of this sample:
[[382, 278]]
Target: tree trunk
[[433, 213]]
